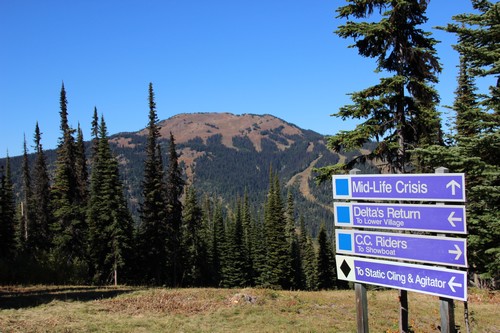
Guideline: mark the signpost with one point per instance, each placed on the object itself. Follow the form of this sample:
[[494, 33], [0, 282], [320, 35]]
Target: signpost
[[432, 218], [440, 187], [427, 249], [422, 187], [430, 280]]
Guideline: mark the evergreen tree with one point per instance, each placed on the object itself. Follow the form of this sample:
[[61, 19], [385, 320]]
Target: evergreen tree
[[278, 260], [69, 227], [81, 171], [295, 267], [95, 133], [174, 189], [248, 239], [207, 235], [152, 233], [234, 273], [217, 244], [468, 112], [478, 42], [259, 252], [308, 259], [398, 112], [40, 237], [7, 215], [477, 140], [120, 230], [326, 261], [194, 256], [26, 218], [110, 223]]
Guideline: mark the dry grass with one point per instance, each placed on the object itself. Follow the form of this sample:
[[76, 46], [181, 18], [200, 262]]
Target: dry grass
[[86, 309]]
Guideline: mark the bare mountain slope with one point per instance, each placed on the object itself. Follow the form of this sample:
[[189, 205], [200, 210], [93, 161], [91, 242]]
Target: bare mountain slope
[[225, 155]]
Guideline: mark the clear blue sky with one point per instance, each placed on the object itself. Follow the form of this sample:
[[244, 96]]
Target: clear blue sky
[[263, 56]]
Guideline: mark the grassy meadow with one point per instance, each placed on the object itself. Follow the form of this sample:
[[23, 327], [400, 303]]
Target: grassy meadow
[[135, 309]]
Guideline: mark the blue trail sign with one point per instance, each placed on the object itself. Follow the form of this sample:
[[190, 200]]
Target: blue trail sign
[[427, 249], [431, 218], [421, 187], [436, 281]]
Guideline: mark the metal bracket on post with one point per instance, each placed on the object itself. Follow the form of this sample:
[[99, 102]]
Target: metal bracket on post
[[446, 305], [361, 299]]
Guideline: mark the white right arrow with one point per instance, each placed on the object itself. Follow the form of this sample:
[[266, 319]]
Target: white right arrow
[[452, 219], [457, 251], [453, 184], [452, 284]]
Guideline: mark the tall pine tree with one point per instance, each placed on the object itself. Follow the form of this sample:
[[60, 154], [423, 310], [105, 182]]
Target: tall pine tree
[[308, 258], [235, 272], [26, 220], [193, 243], [278, 258], [476, 142], [174, 189], [326, 261], [40, 235], [152, 233], [7, 215], [69, 227], [110, 223], [217, 246], [398, 112]]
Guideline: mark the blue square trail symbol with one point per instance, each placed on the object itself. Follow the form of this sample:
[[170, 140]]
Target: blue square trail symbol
[[343, 215], [345, 242], [342, 186]]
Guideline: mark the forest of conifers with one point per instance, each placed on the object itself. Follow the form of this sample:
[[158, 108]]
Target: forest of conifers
[[72, 224], [77, 228]]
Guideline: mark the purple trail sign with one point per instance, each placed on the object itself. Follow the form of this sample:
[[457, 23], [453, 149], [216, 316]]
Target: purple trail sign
[[421, 187], [436, 281], [427, 249], [431, 218]]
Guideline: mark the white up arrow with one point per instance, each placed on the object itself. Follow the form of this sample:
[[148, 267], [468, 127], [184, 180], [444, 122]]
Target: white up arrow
[[453, 184], [452, 284], [457, 251], [452, 219]]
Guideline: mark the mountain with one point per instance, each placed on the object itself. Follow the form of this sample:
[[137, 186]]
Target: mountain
[[225, 155]]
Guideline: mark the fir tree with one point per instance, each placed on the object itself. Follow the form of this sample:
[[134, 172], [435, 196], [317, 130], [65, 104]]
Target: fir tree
[[27, 217], [152, 233], [326, 261], [120, 229], [308, 258], [259, 252], [217, 244], [110, 223], [398, 112], [478, 42], [95, 133], [248, 239], [174, 189], [207, 234], [468, 112], [194, 255], [234, 273], [40, 231], [476, 144], [295, 268], [7, 215], [278, 260], [81, 171], [69, 227]]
